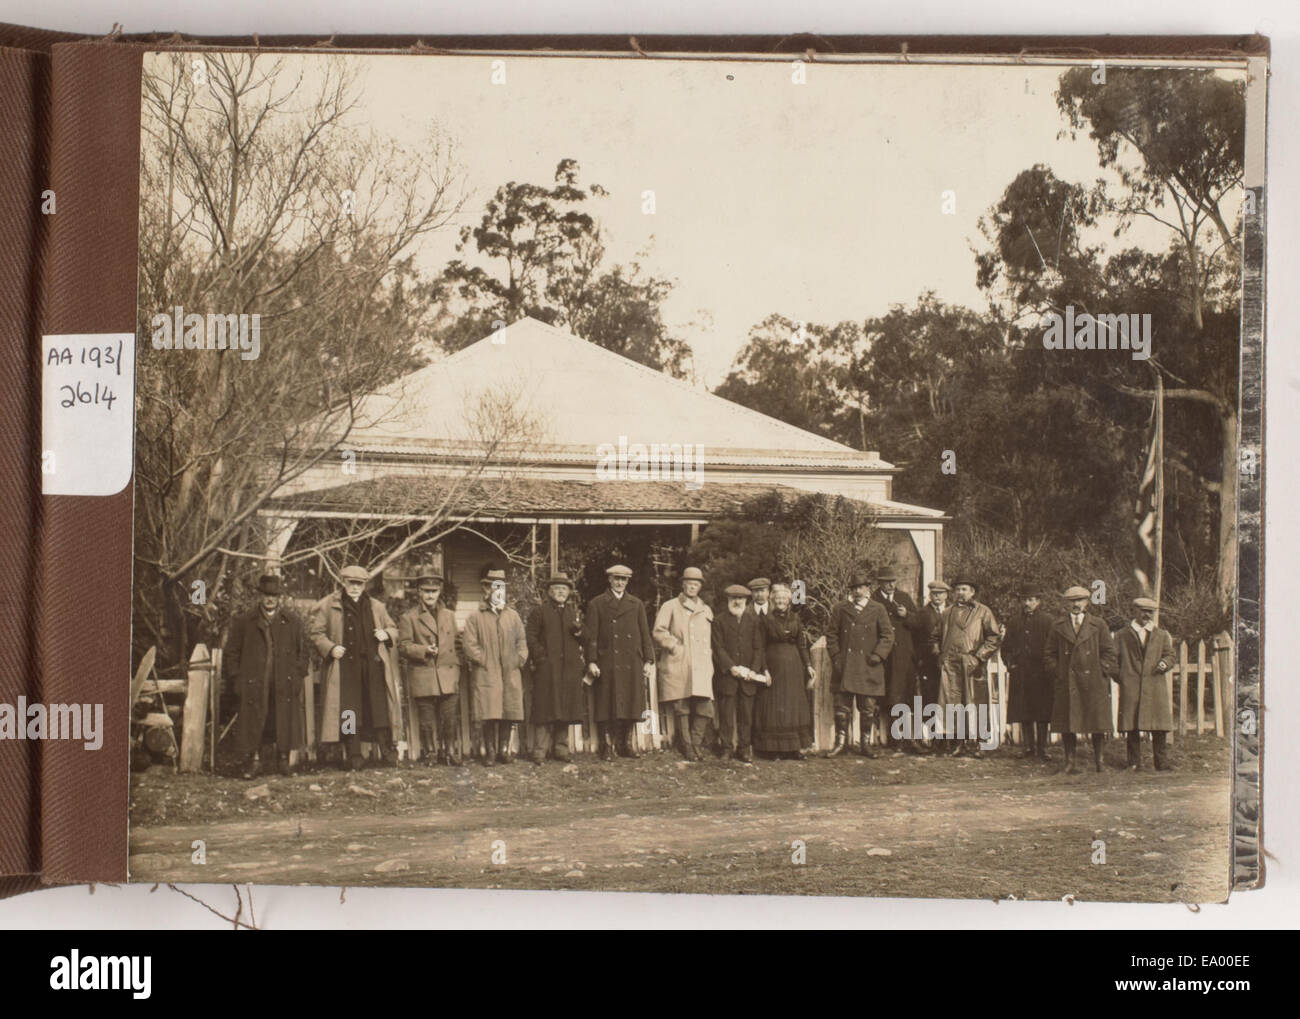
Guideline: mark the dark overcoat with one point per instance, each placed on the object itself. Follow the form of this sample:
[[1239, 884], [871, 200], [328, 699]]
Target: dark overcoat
[[555, 638], [244, 663], [909, 629], [1081, 666], [418, 631], [1143, 681], [1030, 696], [736, 641], [853, 638], [618, 641], [927, 653]]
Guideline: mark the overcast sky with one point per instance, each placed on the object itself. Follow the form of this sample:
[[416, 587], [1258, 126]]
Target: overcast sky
[[820, 201]]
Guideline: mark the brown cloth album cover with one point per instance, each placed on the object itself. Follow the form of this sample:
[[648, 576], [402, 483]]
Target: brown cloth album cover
[[720, 464]]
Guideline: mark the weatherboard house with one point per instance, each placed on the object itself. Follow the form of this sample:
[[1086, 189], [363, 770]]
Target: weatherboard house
[[535, 441]]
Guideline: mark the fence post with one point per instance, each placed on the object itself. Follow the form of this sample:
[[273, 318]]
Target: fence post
[[1169, 681], [194, 719], [1182, 688], [1200, 687]]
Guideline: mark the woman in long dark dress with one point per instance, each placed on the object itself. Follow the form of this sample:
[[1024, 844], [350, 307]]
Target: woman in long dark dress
[[782, 721]]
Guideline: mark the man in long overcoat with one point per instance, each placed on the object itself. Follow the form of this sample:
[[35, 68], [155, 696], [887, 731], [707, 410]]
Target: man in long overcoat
[[555, 638], [1029, 700], [1146, 654], [684, 632], [496, 649], [266, 660], [360, 696], [859, 639], [1080, 657], [738, 645], [967, 638], [927, 653], [426, 640], [900, 663], [620, 659]]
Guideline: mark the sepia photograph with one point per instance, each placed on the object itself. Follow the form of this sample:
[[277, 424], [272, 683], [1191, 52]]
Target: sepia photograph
[[747, 474]]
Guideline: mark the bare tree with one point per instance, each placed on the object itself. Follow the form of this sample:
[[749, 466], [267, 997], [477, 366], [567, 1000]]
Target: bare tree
[[259, 197]]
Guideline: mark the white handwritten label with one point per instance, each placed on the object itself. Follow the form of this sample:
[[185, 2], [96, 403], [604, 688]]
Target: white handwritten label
[[87, 413]]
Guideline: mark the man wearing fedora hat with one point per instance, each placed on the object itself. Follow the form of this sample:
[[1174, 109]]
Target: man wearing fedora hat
[[684, 632], [1146, 653], [555, 639], [900, 663], [266, 660], [1080, 658], [356, 637], [620, 660], [426, 640], [859, 639], [496, 649], [968, 636], [1029, 699]]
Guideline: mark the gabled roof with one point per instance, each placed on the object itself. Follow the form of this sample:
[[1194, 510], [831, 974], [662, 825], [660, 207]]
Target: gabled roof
[[581, 396]]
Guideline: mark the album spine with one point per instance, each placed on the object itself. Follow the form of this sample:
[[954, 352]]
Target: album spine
[[24, 93], [84, 613]]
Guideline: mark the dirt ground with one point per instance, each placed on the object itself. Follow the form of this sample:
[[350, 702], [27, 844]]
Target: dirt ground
[[902, 826]]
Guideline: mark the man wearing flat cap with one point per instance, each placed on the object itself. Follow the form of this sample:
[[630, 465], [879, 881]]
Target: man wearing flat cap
[[620, 659], [555, 638], [968, 636], [900, 663], [859, 639], [356, 637], [266, 660], [761, 589], [426, 640], [1029, 699], [619, 662], [496, 649], [684, 632], [1081, 660], [927, 654], [1146, 654], [738, 644]]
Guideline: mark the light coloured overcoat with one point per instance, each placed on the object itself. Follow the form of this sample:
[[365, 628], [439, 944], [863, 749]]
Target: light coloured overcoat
[[684, 634], [495, 650]]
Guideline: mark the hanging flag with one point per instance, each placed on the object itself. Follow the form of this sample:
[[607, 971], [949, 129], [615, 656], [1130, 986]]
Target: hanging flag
[[1149, 509]]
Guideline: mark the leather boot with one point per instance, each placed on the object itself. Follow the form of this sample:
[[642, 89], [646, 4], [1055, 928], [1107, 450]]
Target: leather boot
[[627, 740], [449, 730], [1098, 741], [841, 737], [428, 746], [605, 737], [1070, 740], [684, 743], [700, 732], [1160, 751], [506, 733], [866, 721]]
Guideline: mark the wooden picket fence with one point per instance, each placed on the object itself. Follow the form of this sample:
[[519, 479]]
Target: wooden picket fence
[[1205, 671], [1200, 698]]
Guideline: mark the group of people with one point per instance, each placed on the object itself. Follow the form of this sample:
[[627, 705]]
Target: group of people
[[736, 680]]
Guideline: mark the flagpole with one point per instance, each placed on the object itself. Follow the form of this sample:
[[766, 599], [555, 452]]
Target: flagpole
[[1160, 488]]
